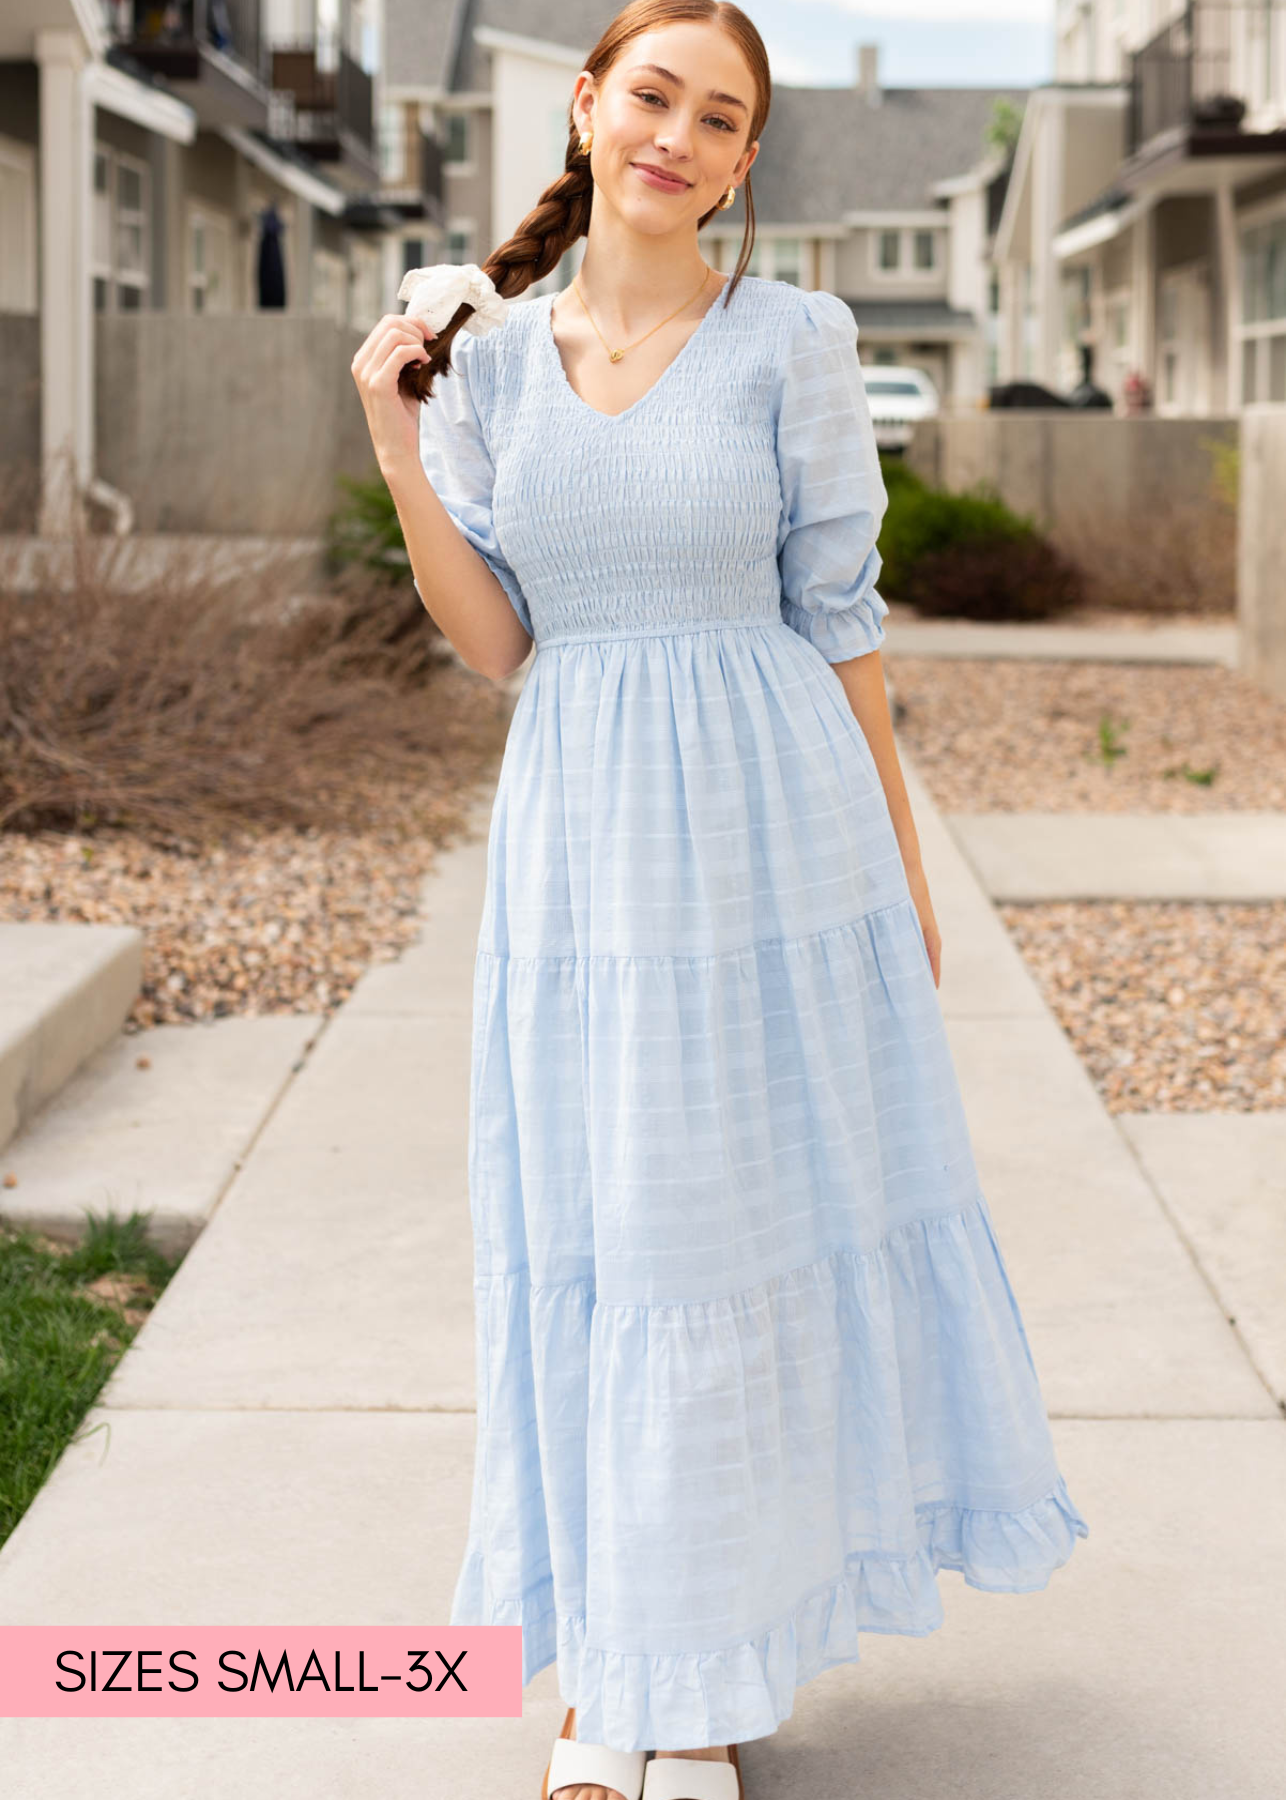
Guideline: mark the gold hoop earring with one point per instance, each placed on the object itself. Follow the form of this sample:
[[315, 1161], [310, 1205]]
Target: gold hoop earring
[[728, 199], [587, 141]]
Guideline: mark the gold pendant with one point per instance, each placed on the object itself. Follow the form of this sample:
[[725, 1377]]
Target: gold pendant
[[616, 355]]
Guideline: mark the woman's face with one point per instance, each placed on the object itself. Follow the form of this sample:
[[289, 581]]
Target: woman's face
[[676, 102]]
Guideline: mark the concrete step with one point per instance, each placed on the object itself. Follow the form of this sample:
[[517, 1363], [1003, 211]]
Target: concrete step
[[165, 1138], [67, 991], [1125, 856], [1173, 641]]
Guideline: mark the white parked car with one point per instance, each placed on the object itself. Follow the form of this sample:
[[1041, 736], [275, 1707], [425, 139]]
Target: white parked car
[[898, 396]]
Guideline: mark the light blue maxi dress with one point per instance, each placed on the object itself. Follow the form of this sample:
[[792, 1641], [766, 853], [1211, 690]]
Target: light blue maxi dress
[[750, 1369]]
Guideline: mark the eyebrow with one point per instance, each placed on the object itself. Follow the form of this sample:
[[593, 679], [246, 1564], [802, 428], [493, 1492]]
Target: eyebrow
[[714, 94]]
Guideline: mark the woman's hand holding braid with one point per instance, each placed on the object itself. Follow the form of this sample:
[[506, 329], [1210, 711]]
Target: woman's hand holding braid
[[392, 417]]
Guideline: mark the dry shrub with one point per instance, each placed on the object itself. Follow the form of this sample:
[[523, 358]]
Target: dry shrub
[[994, 579], [180, 696]]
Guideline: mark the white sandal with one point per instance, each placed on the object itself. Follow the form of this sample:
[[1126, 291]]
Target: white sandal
[[692, 1778], [593, 1765]]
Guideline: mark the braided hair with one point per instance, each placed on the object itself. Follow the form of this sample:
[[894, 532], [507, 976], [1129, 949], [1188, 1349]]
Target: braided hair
[[562, 213]]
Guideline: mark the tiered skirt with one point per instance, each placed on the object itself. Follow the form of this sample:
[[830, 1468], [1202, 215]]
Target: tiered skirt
[[750, 1369]]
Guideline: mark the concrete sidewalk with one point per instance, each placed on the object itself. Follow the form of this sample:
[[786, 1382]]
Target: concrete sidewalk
[[291, 1435]]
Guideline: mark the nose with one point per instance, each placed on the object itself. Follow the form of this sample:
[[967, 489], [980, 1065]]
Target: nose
[[675, 138]]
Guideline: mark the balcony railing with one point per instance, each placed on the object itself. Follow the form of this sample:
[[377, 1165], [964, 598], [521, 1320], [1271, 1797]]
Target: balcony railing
[[1205, 68], [330, 104], [169, 37]]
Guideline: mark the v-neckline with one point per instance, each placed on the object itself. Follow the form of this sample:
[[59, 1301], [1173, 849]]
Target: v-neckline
[[716, 305]]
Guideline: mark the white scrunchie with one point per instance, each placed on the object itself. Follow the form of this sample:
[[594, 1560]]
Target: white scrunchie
[[435, 293]]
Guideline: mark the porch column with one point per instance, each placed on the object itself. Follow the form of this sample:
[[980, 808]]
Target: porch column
[[1227, 369], [1143, 273], [66, 314]]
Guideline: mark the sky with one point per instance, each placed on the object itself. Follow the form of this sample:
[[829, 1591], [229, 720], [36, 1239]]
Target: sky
[[922, 43]]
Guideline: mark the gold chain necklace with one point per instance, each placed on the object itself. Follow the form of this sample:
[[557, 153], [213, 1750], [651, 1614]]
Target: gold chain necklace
[[616, 355]]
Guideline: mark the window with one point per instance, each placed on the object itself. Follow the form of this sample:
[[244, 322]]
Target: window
[[393, 142], [412, 254], [457, 138], [909, 251], [1262, 326], [788, 261], [209, 262], [121, 238], [459, 244]]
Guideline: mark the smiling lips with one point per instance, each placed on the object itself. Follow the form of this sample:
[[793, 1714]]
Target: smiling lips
[[669, 184]]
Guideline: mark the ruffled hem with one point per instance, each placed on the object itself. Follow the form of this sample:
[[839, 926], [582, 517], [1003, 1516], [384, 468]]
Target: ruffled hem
[[728, 1696], [680, 1701]]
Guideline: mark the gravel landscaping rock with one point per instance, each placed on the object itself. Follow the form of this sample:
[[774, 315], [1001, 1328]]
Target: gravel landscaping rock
[[1174, 1007], [271, 920], [1003, 736]]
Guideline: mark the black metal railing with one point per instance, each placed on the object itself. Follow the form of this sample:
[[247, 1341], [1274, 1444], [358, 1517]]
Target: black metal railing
[[1205, 68], [167, 36], [329, 102], [430, 167]]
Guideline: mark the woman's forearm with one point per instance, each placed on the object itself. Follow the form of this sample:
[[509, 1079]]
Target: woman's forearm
[[460, 592], [863, 681]]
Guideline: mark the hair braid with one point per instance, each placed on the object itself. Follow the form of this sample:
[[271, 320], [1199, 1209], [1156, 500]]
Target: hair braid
[[559, 217]]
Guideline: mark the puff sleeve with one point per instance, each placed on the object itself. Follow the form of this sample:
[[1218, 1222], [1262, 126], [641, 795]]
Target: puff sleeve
[[457, 460], [833, 494]]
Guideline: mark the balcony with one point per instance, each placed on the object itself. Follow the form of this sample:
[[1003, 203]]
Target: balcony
[[1198, 77], [419, 197], [211, 52], [324, 104]]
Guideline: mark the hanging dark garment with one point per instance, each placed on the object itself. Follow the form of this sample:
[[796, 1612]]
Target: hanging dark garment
[[272, 268]]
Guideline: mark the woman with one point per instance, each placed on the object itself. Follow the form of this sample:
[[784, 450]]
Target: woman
[[750, 1368]]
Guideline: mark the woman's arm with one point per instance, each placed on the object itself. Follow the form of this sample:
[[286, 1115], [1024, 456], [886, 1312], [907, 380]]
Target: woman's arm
[[457, 567], [863, 682], [461, 593]]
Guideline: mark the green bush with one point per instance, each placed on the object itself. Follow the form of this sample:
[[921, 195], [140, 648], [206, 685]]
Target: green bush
[[968, 554], [365, 531], [995, 578]]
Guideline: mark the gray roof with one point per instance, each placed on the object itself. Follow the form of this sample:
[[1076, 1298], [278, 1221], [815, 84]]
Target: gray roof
[[421, 41], [913, 318], [575, 24], [825, 151]]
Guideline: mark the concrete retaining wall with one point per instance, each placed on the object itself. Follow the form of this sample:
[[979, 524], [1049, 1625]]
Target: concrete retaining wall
[[235, 424], [19, 420], [1141, 504]]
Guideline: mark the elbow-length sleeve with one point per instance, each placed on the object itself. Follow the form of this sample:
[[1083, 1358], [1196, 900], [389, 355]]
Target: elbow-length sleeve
[[833, 494], [457, 460]]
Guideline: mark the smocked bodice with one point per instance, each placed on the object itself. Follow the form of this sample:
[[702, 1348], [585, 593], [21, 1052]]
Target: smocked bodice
[[743, 488]]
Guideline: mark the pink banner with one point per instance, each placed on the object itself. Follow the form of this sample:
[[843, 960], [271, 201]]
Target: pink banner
[[295, 1671]]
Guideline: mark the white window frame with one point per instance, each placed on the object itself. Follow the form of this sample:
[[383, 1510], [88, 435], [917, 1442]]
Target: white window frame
[[906, 269], [468, 163], [763, 256], [109, 271], [1261, 332], [1120, 357], [394, 144], [201, 217], [457, 227]]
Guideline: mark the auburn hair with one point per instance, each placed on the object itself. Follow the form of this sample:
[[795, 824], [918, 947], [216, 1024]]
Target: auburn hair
[[562, 213]]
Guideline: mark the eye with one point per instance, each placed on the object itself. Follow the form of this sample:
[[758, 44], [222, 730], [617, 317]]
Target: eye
[[724, 124]]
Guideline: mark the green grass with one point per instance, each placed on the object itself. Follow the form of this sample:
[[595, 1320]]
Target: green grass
[[58, 1343]]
